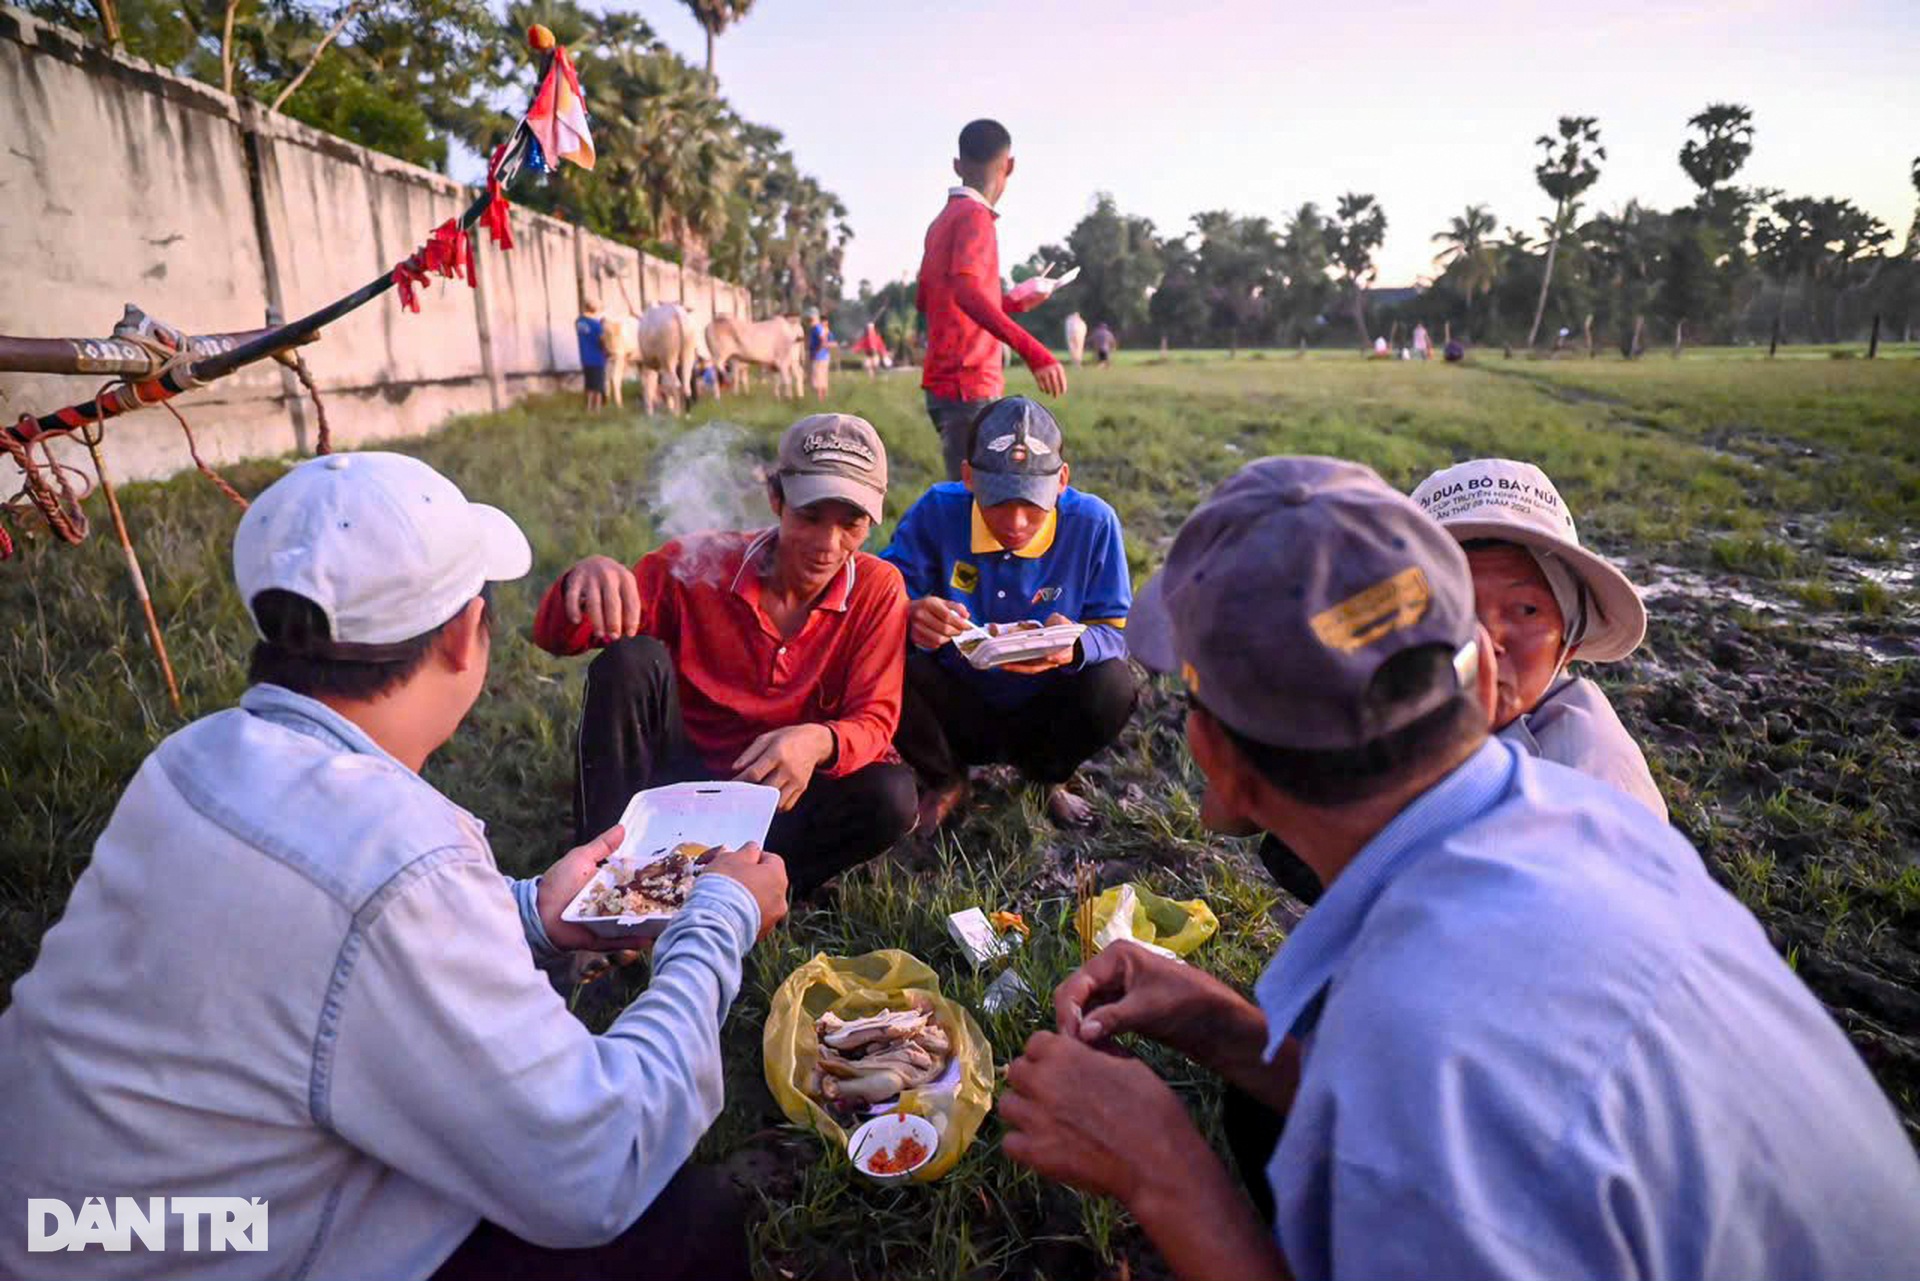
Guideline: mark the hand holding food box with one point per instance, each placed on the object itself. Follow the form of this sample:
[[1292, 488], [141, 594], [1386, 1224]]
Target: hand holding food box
[[671, 834], [999, 644]]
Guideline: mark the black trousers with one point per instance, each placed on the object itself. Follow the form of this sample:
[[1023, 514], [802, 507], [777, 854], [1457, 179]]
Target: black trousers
[[945, 726], [632, 737], [1253, 1132], [952, 419], [695, 1229]]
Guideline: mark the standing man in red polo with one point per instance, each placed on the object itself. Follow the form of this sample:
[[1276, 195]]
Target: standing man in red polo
[[967, 314]]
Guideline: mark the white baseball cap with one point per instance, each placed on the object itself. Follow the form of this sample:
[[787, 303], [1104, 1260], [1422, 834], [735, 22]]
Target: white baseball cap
[[1512, 502], [386, 546]]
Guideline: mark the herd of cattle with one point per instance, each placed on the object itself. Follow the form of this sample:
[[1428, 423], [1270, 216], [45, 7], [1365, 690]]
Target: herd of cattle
[[664, 347]]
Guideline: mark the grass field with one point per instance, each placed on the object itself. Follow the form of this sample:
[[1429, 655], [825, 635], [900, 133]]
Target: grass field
[[1770, 508]]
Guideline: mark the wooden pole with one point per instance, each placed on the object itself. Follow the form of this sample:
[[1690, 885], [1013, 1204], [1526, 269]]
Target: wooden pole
[[133, 569], [1873, 343], [1775, 344]]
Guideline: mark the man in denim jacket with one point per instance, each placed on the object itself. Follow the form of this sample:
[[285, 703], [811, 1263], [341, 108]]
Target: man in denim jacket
[[292, 971]]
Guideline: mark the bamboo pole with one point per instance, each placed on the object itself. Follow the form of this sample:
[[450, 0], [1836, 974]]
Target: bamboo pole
[[134, 573]]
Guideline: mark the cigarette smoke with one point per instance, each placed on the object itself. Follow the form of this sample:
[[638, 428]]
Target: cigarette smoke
[[708, 485]]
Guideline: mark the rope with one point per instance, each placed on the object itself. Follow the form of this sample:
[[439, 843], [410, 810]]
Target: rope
[[55, 500], [46, 486], [193, 448], [323, 442]]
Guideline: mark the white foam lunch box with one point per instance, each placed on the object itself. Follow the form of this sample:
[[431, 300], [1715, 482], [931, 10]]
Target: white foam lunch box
[[658, 820], [1015, 642]]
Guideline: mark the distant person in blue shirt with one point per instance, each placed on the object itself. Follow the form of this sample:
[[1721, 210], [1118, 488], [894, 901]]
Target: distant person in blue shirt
[[1523, 1035], [820, 345], [591, 331], [1012, 541]]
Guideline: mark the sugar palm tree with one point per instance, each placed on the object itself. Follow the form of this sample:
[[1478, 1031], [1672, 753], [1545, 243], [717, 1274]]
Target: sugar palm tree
[[715, 16], [1725, 142], [1567, 168]]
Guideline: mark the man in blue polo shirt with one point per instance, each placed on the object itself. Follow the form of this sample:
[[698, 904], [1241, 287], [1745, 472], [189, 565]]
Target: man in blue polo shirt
[[1011, 541], [1524, 1034]]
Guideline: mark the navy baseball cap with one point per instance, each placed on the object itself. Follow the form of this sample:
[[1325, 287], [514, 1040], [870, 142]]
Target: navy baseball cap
[[1016, 454], [1286, 591]]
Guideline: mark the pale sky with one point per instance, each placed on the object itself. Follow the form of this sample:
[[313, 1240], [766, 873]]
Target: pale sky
[[1255, 107]]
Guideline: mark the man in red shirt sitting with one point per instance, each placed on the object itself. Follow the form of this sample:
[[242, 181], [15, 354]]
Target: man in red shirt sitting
[[967, 314], [772, 657]]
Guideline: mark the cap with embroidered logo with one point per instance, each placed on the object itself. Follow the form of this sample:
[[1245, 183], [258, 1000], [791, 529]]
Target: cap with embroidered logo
[[1017, 454], [833, 456], [1288, 589], [386, 546]]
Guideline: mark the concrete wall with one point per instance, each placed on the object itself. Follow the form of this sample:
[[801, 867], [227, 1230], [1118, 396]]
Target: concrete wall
[[121, 183]]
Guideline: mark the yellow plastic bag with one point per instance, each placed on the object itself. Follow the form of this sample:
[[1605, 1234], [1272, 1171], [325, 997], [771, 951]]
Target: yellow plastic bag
[[854, 987], [1179, 926]]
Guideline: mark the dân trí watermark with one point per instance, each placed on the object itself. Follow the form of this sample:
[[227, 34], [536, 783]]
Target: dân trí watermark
[[231, 1223]]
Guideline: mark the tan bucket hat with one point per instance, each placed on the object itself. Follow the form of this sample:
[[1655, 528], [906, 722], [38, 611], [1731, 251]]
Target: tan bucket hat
[[1514, 502]]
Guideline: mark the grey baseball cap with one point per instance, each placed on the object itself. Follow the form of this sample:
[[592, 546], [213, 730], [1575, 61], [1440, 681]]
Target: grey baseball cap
[[839, 456], [1288, 588], [1016, 454]]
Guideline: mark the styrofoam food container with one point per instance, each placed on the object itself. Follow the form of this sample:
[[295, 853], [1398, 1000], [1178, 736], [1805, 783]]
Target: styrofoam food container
[[882, 1133], [1017, 645], [658, 820]]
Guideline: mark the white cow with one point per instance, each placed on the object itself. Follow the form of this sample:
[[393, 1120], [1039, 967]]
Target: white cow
[[619, 337], [667, 344], [1076, 338], [735, 343]]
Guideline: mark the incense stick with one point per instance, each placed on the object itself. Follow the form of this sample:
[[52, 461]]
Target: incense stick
[[1083, 882]]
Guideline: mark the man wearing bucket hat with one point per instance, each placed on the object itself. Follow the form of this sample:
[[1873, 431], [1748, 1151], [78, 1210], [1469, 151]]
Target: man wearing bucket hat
[[1517, 1036], [771, 657], [1545, 601], [1012, 541], [292, 974]]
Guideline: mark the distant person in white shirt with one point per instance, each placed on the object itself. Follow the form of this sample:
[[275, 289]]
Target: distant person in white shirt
[[1546, 601]]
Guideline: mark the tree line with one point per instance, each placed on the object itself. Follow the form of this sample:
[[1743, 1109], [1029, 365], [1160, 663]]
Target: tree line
[[1738, 263], [680, 173]]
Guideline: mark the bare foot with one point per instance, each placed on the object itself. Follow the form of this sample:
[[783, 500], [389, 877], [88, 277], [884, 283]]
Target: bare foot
[[1068, 810], [938, 804]]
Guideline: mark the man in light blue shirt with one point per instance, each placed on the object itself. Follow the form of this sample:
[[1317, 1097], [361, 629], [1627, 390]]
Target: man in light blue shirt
[[1523, 1034], [291, 970]]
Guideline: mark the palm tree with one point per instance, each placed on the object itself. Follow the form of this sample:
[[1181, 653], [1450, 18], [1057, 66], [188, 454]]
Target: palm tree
[[715, 16], [1566, 169], [1725, 142], [1304, 263], [1627, 252], [1469, 256], [1913, 232]]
